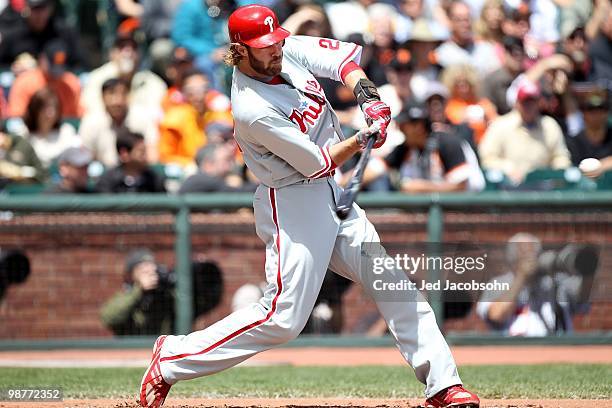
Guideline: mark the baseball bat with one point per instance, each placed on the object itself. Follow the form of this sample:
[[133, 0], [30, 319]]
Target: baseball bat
[[345, 202]]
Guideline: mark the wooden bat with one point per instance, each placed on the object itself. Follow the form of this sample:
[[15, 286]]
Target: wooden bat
[[345, 203]]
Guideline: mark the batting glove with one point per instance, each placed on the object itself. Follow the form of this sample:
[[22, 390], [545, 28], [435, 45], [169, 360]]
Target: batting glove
[[379, 112], [364, 134], [376, 111]]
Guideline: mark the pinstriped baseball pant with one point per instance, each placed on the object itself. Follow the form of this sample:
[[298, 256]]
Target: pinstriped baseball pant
[[303, 237]]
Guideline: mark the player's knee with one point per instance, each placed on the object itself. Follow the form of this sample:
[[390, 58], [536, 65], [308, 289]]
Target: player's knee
[[283, 333]]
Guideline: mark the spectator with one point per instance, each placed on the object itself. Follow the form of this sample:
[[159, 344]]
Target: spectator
[[39, 26], [464, 104], [378, 52], [51, 73], [99, 129], [422, 45], [431, 161], [18, 160], [489, 25], [146, 89], [461, 47], [496, 84], [73, 164], [544, 22], [348, 18], [539, 302], [132, 175], [600, 49], [3, 107], [543, 70], [10, 14], [215, 165], [557, 101], [413, 14], [517, 24], [183, 129], [310, 20], [24, 62], [156, 21], [48, 136], [145, 305], [578, 13], [436, 97], [397, 91], [575, 45], [203, 34], [595, 140], [181, 63], [524, 140]]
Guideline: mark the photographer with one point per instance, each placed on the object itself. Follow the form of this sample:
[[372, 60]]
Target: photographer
[[145, 306], [546, 288]]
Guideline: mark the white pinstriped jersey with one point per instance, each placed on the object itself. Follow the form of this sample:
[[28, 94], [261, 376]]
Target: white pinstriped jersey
[[285, 130]]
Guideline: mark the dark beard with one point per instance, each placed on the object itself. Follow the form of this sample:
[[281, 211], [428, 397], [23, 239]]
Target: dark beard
[[261, 69]]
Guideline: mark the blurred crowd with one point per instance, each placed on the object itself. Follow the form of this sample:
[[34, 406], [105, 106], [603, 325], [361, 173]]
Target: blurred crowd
[[485, 94]]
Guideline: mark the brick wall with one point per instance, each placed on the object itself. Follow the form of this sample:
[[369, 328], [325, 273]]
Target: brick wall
[[78, 259]]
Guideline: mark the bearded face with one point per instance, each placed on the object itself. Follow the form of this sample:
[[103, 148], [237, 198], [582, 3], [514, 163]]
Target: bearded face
[[266, 61]]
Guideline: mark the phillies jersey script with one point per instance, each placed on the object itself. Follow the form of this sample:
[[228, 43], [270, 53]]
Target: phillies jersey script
[[285, 129]]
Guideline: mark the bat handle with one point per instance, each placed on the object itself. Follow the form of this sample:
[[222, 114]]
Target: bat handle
[[345, 202], [343, 210]]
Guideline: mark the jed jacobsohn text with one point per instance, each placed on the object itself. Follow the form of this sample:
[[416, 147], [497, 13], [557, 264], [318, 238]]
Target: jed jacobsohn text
[[411, 264], [406, 284]]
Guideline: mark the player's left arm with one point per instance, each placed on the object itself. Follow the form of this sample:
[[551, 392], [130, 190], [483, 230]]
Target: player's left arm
[[374, 110], [338, 60]]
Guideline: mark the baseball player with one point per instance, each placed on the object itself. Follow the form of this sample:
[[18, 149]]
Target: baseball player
[[291, 140]]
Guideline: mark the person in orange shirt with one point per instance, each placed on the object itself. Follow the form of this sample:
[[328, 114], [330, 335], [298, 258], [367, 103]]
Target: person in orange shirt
[[181, 63], [3, 109], [51, 73], [183, 128], [464, 104]]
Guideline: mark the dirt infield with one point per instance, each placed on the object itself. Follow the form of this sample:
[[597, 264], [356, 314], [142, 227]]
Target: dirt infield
[[309, 402]]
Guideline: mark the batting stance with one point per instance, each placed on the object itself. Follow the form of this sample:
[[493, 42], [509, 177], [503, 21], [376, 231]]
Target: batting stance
[[292, 142]]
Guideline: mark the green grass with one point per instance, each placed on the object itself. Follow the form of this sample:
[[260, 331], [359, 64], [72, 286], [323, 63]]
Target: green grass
[[541, 381]]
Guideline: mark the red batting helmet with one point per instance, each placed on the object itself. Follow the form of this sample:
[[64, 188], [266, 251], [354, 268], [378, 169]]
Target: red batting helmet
[[255, 26]]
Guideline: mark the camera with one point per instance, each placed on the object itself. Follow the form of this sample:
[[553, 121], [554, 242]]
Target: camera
[[166, 278], [574, 259], [14, 268]]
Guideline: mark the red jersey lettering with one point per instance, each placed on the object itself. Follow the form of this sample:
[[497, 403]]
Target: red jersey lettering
[[308, 117]]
